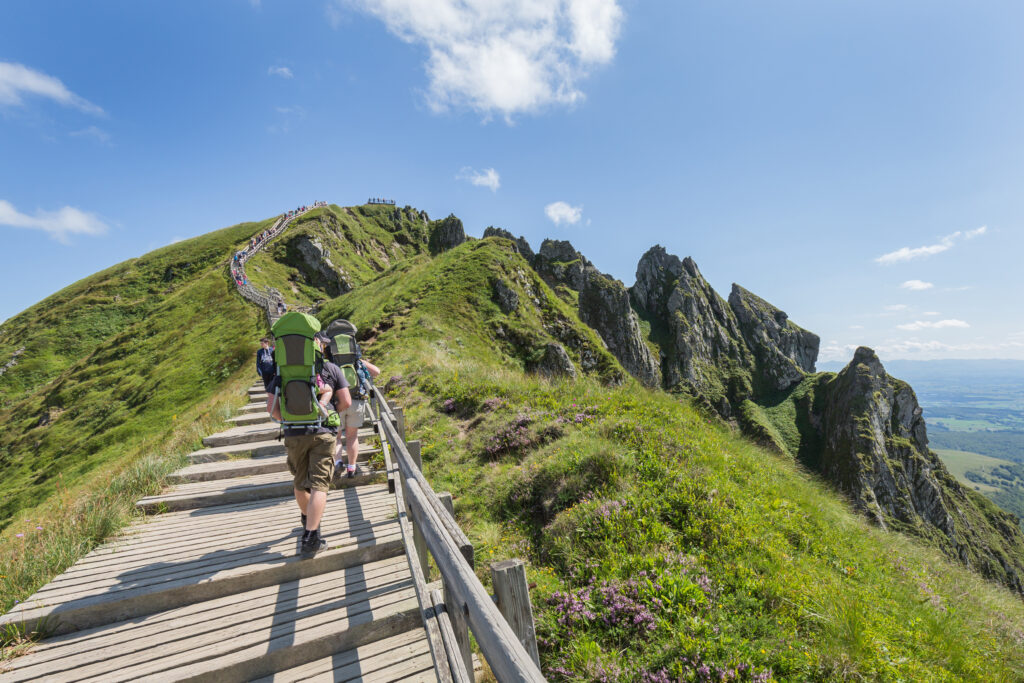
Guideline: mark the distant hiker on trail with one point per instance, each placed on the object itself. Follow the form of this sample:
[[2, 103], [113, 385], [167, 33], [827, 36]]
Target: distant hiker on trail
[[265, 367], [310, 451], [353, 418]]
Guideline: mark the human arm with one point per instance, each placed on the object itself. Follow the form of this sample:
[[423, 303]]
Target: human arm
[[343, 399], [371, 368], [273, 407]]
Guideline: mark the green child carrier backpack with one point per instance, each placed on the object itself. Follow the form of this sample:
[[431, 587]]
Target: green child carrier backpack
[[345, 353], [298, 364]]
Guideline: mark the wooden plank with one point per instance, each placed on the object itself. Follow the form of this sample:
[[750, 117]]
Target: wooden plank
[[460, 674], [513, 598], [360, 662], [174, 631], [505, 654], [283, 633], [209, 576]]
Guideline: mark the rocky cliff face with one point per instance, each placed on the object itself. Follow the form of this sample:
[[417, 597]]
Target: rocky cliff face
[[702, 348], [314, 261], [874, 447], [446, 234], [522, 246], [783, 351], [603, 304]]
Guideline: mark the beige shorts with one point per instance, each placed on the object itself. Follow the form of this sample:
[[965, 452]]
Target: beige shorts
[[311, 460], [355, 415]]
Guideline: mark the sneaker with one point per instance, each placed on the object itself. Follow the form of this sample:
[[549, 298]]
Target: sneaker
[[350, 472], [312, 543]]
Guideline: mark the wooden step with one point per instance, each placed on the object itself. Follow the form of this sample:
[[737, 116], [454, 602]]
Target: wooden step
[[251, 418], [200, 494], [251, 634], [252, 433], [258, 407], [253, 449], [405, 657], [188, 557], [256, 449], [243, 467]]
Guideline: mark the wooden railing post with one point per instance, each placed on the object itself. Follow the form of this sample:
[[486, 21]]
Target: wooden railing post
[[416, 452], [399, 422], [513, 593], [458, 618]]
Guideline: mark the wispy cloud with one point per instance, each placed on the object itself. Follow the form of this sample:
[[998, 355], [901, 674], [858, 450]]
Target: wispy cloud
[[501, 58], [288, 115], [93, 132], [924, 348], [60, 224], [932, 324], [17, 81], [896, 307], [488, 177], [931, 313], [561, 212], [944, 244], [917, 285], [282, 71]]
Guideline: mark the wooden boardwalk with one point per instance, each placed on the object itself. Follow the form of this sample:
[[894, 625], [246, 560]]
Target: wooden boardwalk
[[213, 588]]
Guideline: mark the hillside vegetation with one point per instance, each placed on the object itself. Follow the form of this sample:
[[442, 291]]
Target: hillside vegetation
[[662, 545]]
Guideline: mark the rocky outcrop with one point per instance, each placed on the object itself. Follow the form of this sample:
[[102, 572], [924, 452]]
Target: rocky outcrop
[[703, 351], [783, 351], [871, 442], [446, 234], [521, 245], [560, 264], [604, 305], [555, 362], [505, 296], [313, 259]]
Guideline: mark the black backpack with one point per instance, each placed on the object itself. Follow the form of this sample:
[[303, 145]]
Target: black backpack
[[345, 353]]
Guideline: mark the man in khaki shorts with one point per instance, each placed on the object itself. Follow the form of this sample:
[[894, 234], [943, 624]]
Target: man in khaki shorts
[[352, 418], [311, 454]]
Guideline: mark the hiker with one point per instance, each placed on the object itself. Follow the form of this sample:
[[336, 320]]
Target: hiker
[[353, 418], [310, 451], [265, 367]]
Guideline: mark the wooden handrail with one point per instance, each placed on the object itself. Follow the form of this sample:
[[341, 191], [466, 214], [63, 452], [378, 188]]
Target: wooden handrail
[[506, 656], [409, 470]]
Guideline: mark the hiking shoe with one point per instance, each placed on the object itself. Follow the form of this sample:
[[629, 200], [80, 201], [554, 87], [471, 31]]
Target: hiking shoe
[[312, 543], [350, 472]]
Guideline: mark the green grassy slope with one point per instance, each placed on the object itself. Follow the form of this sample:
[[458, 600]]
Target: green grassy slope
[[361, 240], [111, 360], [659, 541]]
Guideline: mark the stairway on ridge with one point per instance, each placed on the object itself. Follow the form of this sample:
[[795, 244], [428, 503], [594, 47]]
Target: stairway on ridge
[[213, 588]]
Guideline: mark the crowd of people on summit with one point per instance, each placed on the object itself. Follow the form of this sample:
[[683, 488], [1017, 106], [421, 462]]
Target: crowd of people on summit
[[380, 200]]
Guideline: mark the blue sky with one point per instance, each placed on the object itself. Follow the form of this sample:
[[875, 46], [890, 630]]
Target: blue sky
[[858, 164]]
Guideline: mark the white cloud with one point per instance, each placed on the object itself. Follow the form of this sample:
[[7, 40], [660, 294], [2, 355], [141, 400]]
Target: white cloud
[[93, 132], [488, 177], [501, 56], [282, 71], [560, 212], [17, 80], [917, 285], [896, 307], [928, 324], [944, 244], [856, 327], [59, 224]]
